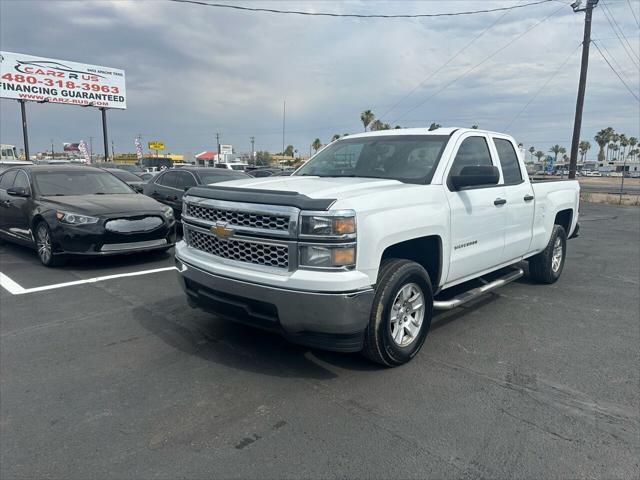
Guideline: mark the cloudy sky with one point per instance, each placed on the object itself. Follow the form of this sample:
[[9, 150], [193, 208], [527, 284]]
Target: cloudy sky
[[193, 70]]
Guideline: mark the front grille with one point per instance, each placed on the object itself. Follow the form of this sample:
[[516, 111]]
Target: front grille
[[269, 255], [240, 219]]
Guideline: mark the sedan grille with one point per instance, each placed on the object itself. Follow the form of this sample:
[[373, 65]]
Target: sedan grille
[[267, 254], [239, 219]]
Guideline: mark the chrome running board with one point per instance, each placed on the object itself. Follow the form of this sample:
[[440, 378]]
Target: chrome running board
[[476, 292]]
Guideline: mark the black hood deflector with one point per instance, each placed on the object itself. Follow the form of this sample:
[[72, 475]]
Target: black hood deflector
[[267, 197]]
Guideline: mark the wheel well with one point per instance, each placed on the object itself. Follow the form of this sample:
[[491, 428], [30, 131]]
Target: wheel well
[[426, 251], [35, 222], [563, 218]]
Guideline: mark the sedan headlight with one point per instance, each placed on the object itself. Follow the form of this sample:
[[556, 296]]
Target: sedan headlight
[[76, 218], [328, 225], [327, 256]]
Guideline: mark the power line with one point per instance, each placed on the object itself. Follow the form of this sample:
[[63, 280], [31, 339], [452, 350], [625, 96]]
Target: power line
[[432, 74], [357, 15], [613, 24], [614, 71], [633, 12], [542, 87], [613, 59], [467, 72]]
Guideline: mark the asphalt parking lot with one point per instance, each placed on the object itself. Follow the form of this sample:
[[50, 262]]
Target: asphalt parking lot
[[119, 378]]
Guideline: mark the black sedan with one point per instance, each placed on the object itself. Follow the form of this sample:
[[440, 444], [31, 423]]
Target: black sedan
[[169, 186], [79, 210], [134, 181]]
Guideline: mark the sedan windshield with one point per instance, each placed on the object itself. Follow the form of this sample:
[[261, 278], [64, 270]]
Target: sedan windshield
[[407, 158], [78, 183], [126, 176]]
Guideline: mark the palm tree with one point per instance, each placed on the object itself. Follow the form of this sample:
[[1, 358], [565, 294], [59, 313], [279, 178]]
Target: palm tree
[[376, 125], [366, 118], [475, 127], [335, 137], [316, 145], [601, 138], [583, 146], [532, 150], [624, 143], [633, 141], [614, 148], [556, 149], [434, 126]]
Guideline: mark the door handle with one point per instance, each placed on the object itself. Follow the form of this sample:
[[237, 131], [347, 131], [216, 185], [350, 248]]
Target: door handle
[[528, 198], [499, 201]]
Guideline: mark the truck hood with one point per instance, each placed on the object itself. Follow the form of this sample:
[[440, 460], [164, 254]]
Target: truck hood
[[338, 188]]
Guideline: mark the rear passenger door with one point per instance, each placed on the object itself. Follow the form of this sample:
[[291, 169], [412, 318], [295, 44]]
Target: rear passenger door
[[477, 213], [520, 205], [6, 181]]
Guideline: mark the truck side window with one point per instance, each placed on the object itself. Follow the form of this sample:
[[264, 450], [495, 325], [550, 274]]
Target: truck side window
[[508, 161], [473, 151]]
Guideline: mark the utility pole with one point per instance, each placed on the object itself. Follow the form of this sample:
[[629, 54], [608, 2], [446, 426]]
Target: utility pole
[[586, 42], [113, 150], [91, 149], [253, 149], [218, 142], [52, 154]]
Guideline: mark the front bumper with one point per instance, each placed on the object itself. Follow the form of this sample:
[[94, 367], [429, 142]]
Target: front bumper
[[331, 321], [95, 240]]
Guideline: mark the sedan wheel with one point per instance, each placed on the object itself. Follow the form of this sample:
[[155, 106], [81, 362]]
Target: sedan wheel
[[44, 245]]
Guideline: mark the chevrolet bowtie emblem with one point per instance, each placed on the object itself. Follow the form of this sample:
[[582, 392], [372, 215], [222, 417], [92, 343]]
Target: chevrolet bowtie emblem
[[220, 230]]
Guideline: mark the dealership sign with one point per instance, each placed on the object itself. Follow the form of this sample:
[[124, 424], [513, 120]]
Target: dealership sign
[[38, 79], [156, 145]]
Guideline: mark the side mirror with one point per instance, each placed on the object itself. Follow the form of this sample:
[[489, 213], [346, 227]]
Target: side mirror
[[475, 175], [18, 192]]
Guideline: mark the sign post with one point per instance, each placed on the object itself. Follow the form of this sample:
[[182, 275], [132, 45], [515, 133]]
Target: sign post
[[25, 134], [104, 134]]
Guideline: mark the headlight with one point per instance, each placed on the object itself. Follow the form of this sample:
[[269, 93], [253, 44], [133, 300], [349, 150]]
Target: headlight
[[327, 256], [75, 218], [168, 213], [338, 225]]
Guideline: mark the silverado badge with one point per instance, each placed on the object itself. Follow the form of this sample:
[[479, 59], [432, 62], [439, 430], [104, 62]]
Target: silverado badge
[[220, 230]]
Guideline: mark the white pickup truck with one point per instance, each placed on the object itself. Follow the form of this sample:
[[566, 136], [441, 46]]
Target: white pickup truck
[[355, 250]]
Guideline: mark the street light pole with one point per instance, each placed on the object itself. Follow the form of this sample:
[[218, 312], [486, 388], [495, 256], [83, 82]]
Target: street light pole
[[105, 139], [577, 123]]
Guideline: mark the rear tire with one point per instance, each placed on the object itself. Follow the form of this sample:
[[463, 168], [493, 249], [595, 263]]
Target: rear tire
[[401, 313], [45, 246], [546, 267]]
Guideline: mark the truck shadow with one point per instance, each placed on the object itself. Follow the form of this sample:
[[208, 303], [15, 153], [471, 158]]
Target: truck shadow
[[242, 347]]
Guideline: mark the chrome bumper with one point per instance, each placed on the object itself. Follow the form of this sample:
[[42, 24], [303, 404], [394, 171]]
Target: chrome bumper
[[334, 321]]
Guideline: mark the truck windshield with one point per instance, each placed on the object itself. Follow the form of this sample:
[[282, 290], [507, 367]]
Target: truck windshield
[[407, 158]]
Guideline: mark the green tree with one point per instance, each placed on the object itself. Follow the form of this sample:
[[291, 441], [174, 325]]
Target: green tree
[[288, 152], [397, 127], [475, 127], [366, 118], [335, 137], [434, 126], [263, 158], [583, 147], [376, 125], [532, 151], [316, 145]]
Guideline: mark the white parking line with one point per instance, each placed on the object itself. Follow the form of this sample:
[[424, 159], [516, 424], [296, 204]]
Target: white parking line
[[15, 289]]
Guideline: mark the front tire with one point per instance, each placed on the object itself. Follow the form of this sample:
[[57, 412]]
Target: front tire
[[546, 267], [401, 313], [44, 246]]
